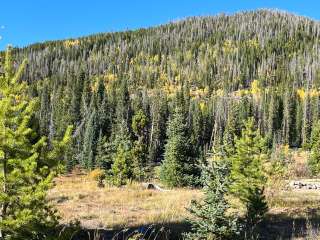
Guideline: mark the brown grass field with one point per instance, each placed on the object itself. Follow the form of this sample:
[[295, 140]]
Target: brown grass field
[[78, 197], [293, 214]]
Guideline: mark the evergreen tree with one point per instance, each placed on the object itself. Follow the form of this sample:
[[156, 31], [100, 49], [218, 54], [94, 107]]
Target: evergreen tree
[[139, 151], [105, 153], [122, 169], [27, 162], [314, 159], [211, 220], [247, 173], [231, 130], [307, 121], [157, 130], [178, 167], [89, 140], [44, 113]]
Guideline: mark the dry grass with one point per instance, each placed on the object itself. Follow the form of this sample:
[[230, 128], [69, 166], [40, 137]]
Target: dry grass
[[293, 201], [77, 197], [293, 212]]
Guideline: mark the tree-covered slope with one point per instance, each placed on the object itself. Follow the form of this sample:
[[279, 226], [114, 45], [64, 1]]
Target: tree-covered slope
[[219, 70]]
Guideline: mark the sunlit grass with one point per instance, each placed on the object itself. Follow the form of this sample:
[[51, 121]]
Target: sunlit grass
[[77, 197]]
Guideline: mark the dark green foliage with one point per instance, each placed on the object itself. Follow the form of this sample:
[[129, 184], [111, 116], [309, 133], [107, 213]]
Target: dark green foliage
[[178, 167], [219, 70], [139, 150], [122, 166], [210, 215], [104, 156], [89, 142], [314, 159], [257, 207]]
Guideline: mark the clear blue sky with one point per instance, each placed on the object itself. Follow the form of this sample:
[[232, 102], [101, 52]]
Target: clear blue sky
[[30, 21]]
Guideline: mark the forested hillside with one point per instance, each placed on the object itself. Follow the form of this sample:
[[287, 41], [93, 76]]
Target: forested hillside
[[202, 77]]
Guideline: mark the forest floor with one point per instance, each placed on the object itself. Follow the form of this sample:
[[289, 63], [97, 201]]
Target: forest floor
[[293, 213]]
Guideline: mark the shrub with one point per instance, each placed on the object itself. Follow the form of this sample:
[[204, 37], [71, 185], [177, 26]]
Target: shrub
[[97, 175]]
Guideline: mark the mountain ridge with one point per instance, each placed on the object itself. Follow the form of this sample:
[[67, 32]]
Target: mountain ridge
[[186, 19]]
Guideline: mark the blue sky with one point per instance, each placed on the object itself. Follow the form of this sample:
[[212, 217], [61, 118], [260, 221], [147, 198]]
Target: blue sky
[[26, 22]]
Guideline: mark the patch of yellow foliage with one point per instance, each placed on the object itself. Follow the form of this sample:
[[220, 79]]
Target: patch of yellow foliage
[[254, 43], [302, 94], [199, 92], [314, 93], [229, 47], [255, 90], [219, 93], [241, 92], [71, 43], [171, 89], [96, 174], [203, 106]]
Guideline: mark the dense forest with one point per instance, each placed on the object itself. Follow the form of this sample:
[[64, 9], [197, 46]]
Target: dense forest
[[122, 89], [156, 102]]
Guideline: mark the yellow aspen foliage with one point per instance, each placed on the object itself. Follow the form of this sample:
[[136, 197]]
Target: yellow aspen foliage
[[203, 106], [301, 94], [156, 59], [254, 43], [286, 149], [314, 93], [109, 77], [219, 93], [171, 89], [199, 92], [255, 90], [163, 77], [71, 43], [228, 47]]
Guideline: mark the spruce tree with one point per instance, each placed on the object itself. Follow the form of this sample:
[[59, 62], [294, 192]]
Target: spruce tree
[[89, 142], [139, 150], [178, 168], [105, 152], [122, 169], [314, 159], [27, 162], [210, 215]]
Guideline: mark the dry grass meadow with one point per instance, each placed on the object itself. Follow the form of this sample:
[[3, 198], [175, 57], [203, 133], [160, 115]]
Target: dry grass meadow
[[293, 213], [78, 197]]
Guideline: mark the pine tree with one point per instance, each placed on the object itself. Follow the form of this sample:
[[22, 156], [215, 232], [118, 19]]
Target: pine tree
[[44, 114], [314, 159], [139, 150], [89, 142], [27, 162], [178, 167], [210, 215], [247, 173], [105, 153], [157, 130], [122, 169], [307, 121], [247, 161], [75, 104], [231, 130], [196, 129]]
